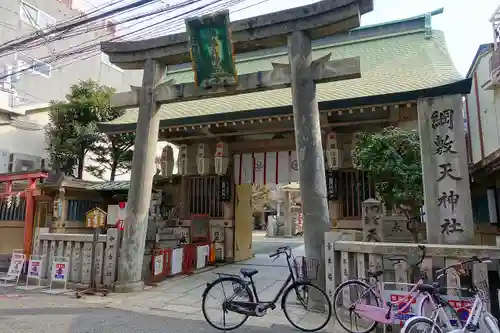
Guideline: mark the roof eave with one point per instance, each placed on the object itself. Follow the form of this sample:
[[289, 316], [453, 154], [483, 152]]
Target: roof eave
[[459, 87]]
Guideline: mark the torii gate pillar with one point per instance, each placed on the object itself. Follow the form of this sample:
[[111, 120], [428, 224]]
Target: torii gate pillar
[[141, 182], [309, 147]]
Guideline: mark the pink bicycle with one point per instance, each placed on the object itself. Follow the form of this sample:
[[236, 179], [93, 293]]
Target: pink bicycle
[[364, 307]]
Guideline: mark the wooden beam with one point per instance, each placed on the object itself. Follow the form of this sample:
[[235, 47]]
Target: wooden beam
[[320, 19], [334, 70], [278, 130], [23, 176]]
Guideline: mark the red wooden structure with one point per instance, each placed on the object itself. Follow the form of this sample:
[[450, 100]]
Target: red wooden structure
[[29, 194]]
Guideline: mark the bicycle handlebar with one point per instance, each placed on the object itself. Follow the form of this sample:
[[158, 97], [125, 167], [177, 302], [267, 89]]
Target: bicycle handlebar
[[280, 250], [474, 259]]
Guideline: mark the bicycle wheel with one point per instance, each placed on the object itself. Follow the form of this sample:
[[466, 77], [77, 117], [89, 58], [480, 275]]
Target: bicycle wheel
[[304, 296], [452, 316], [236, 290], [363, 295], [491, 323], [422, 325]]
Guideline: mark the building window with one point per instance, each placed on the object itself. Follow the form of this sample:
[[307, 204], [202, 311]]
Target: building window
[[105, 60], [33, 65], [35, 17]]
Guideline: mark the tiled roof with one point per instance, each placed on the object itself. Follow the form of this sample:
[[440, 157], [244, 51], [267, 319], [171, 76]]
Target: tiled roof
[[406, 61], [109, 186]]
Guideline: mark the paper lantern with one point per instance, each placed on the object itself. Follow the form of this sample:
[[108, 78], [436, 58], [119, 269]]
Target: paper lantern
[[182, 160], [332, 152], [203, 159], [221, 158], [167, 161]]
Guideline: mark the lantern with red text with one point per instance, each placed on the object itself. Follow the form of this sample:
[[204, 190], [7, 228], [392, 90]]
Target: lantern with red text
[[221, 158]]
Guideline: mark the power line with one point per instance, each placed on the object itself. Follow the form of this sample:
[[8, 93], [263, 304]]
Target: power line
[[17, 42], [89, 51]]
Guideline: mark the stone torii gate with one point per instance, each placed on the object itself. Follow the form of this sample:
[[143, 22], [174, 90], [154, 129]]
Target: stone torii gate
[[295, 28]]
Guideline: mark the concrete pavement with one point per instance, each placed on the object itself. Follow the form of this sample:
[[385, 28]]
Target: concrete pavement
[[173, 306]]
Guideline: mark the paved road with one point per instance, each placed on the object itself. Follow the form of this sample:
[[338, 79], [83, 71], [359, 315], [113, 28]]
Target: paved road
[[32, 312], [102, 320]]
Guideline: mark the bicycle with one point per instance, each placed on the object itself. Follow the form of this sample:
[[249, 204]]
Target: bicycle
[[477, 315], [369, 304], [298, 285]]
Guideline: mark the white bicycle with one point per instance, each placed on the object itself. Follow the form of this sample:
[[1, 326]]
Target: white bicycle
[[479, 317]]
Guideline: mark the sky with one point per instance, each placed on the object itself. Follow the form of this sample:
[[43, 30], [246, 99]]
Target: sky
[[465, 22]]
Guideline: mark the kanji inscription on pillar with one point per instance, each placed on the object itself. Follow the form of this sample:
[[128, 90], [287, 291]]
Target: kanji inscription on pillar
[[445, 170], [372, 220]]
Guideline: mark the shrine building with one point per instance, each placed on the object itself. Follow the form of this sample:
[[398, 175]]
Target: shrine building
[[401, 61]]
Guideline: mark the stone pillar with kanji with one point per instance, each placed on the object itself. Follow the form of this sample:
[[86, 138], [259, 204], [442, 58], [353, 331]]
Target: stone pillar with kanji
[[445, 171], [372, 215]]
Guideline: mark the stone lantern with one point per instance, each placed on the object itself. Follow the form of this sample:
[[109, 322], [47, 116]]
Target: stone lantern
[[221, 158], [203, 159], [332, 152]]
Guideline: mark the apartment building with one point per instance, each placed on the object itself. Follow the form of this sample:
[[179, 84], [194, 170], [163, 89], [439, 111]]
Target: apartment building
[[483, 126], [32, 76]]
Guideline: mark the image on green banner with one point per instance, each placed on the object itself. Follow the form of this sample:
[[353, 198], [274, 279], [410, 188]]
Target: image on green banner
[[211, 50]]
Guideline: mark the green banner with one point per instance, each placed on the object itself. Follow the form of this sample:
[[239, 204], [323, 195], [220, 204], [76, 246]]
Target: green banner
[[211, 50]]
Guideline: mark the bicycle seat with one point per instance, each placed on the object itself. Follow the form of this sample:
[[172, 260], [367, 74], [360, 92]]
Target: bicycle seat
[[248, 272], [375, 274], [426, 288]]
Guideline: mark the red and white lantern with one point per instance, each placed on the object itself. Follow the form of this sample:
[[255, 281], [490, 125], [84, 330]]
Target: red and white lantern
[[182, 160], [221, 158], [203, 159], [332, 152], [121, 215]]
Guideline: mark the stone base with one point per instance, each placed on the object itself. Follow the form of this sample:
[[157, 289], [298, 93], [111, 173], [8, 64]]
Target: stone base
[[129, 287]]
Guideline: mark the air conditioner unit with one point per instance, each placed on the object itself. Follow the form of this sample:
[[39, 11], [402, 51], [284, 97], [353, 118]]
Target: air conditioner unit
[[4, 161], [25, 162]]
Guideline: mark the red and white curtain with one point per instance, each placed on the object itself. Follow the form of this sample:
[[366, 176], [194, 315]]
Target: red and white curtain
[[266, 168]]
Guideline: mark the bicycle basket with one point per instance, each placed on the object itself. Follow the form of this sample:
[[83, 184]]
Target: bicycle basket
[[483, 291], [306, 269]]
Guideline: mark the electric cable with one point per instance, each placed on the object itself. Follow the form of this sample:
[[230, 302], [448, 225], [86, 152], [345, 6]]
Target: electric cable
[[19, 41], [88, 51]]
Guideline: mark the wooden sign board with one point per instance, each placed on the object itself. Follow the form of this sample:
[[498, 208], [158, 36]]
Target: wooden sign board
[[95, 218], [211, 50]]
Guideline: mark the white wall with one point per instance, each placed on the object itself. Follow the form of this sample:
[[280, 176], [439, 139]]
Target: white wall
[[16, 140], [489, 103]]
